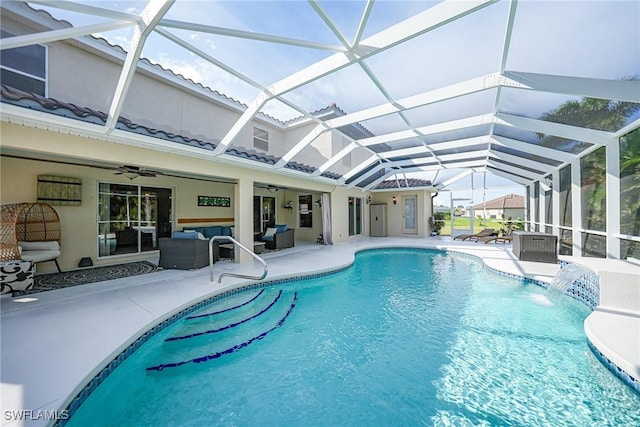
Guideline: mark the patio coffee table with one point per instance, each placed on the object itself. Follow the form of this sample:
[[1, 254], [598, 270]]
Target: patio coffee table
[[226, 250]]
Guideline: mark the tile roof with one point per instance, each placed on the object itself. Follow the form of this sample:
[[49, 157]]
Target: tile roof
[[510, 201], [331, 111], [402, 183], [33, 101]]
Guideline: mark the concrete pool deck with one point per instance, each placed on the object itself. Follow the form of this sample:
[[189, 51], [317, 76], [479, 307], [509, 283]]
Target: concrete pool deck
[[53, 342]]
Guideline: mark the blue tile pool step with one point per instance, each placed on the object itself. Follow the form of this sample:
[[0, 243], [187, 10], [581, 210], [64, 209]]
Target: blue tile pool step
[[241, 310], [235, 307], [187, 351], [228, 326]]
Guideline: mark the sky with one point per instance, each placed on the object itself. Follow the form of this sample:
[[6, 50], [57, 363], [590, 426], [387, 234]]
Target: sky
[[575, 38]]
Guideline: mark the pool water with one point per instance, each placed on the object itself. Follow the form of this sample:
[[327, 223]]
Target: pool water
[[403, 337]]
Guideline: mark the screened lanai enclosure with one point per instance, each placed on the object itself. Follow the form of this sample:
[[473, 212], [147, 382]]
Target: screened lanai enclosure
[[543, 95]]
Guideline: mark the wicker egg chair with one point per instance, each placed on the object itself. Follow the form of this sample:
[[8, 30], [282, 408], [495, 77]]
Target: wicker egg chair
[[37, 223]]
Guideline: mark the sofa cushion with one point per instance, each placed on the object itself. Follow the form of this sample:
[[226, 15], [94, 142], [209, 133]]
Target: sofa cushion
[[197, 229], [281, 228], [213, 230], [190, 234], [225, 231]]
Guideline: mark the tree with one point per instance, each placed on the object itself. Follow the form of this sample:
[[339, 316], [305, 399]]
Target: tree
[[604, 115], [600, 114]]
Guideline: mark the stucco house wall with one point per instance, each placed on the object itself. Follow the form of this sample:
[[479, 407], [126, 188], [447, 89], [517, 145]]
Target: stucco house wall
[[79, 223], [395, 211]]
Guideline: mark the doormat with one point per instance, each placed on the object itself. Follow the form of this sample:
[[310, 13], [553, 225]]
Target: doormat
[[52, 281]]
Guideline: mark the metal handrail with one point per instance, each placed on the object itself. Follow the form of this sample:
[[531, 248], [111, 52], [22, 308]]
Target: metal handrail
[[244, 248]]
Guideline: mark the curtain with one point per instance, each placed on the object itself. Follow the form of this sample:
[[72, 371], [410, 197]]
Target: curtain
[[326, 219]]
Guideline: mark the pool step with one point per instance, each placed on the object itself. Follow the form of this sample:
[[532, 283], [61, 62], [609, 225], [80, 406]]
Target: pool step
[[208, 343], [220, 316]]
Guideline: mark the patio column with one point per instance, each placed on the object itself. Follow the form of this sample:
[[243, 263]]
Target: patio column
[[542, 201], [613, 199], [243, 217], [576, 208], [555, 204]]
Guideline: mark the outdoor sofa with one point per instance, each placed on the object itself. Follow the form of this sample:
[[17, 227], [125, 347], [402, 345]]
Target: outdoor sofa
[[185, 251]]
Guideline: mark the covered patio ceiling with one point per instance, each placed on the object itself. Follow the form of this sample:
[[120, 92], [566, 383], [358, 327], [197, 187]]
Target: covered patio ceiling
[[444, 89]]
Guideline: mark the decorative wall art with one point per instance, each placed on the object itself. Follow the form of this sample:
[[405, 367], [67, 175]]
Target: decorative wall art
[[59, 190], [223, 202]]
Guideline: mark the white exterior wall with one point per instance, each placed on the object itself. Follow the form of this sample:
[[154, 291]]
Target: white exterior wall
[[90, 84], [185, 110], [394, 212], [79, 223]]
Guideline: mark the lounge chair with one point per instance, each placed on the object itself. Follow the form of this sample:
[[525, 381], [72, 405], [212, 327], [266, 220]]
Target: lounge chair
[[507, 238], [484, 233]]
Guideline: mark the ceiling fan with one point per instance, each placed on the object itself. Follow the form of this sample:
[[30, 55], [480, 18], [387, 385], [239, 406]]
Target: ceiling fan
[[132, 172]]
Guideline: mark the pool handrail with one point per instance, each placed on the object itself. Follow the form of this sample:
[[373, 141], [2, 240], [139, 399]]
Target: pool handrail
[[244, 248]]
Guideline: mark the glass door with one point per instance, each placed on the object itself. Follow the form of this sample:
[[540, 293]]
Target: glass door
[[355, 216], [409, 215], [131, 218], [264, 213], [462, 216], [268, 213]]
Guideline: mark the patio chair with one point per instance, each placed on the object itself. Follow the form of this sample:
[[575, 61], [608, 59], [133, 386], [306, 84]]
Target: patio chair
[[280, 237], [507, 238], [484, 233]]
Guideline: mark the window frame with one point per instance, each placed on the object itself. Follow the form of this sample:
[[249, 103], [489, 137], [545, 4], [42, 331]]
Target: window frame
[[259, 141], [305, 222], [44, 79], [353, 219]]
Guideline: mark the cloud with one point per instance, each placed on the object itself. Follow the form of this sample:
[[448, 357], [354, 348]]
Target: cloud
[[201, 71]]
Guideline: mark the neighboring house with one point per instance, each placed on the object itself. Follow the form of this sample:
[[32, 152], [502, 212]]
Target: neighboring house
[[158, 168], [511, 206]]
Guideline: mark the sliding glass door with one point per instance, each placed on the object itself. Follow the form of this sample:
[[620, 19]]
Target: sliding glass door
[[131, 218]]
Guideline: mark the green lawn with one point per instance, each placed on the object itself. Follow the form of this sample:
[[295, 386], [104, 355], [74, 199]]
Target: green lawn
[[464, 223]]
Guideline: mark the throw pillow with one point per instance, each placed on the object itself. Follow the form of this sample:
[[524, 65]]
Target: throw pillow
[[268, 235]]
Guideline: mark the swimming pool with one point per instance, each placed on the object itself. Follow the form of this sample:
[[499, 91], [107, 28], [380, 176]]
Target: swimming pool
[[403, 337]]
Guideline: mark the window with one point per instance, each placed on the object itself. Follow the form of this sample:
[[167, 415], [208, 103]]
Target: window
[[565, 196], [260, 139], [306, 211], [630, 194], [594, 206], [346, 160], [566, 238], [24, 68], [355, 216]]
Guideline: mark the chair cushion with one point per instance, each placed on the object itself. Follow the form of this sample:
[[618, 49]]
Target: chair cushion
[[39, 246], [281, 228], [39, 256]]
